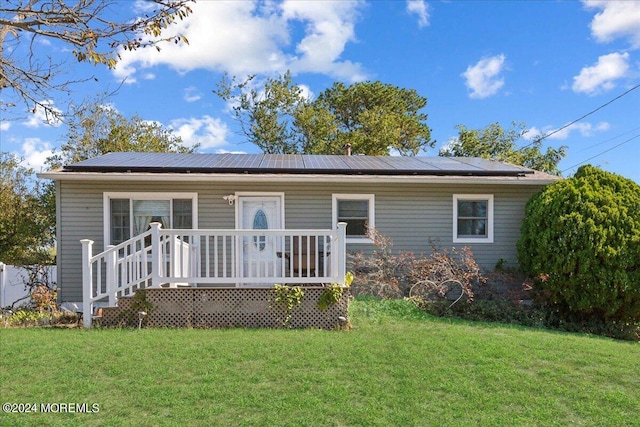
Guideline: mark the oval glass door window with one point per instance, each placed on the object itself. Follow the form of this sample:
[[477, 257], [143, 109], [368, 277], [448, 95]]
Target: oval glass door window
[[260, 223]]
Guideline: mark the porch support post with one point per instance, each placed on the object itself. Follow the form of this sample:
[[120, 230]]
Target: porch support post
[[342, 252], [111, 275], [87, 285], [156, 255]]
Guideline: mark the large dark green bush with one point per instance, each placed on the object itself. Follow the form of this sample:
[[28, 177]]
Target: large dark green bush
[[581, 239]]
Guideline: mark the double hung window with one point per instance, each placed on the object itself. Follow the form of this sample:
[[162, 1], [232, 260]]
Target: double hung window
[[472, 218], [357, 210], [129, 214]]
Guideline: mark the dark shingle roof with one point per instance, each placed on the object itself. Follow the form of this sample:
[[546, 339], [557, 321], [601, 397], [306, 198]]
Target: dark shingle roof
[[295, 164]]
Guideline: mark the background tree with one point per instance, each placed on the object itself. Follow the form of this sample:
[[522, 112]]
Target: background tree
[[373, 117], [265, 116], [86, 27], [26, 226], [95, 129], [581, 238], [494, 142]]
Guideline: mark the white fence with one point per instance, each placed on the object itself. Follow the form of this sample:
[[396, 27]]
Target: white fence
[[13, 281]]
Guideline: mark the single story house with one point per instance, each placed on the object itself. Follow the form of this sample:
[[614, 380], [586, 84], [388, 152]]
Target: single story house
[[206, 203]]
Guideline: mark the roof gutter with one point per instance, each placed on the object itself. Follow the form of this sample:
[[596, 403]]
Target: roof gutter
[[529, 179]]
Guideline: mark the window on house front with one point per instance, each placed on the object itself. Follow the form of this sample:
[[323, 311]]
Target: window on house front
[[357, 210], [147, 211], [472, 218], [131, 216], [182, 213], [260, 222], [120, 220]]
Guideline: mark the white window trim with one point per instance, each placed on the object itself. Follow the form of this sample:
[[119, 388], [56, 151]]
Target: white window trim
[[372, 213], [106, 206], [480, 239]]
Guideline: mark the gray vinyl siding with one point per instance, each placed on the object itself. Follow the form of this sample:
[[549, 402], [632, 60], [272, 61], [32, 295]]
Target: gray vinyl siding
[[413, 215]]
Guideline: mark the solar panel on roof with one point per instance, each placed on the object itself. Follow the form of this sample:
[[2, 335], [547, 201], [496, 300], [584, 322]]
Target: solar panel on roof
[[240, 161], [274, 163], [411, 163], [366, 163], [325, 162], [282, 161], [489, 165]]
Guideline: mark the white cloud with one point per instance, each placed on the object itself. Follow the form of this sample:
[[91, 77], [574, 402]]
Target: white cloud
[[142, 6], [207, 131], [35, 153], [191, 94], [484, 78], [243, 37], [40, 117], [420, 8], [447, 146], [329, 27], [616, 19], [602, 126], [585, 129], [601, 76], [306, 92], [5, 125], [223, 151]]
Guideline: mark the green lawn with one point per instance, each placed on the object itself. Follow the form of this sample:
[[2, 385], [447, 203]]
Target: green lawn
[[396, 367]]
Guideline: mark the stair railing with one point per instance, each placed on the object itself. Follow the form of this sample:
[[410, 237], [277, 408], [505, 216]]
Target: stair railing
[[210, 257]]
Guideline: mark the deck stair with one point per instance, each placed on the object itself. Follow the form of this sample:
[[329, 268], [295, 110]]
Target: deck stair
[[185, 271]]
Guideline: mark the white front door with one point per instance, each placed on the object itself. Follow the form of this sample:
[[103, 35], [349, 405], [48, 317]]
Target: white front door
[[259, 254]]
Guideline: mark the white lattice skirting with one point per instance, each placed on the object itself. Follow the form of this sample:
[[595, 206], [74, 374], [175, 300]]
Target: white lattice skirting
[[226, 308]]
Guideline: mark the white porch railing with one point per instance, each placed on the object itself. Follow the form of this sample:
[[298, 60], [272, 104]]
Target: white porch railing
[[163, 257]]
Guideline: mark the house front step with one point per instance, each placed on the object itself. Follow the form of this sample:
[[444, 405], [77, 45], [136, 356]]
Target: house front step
[[114, 316], [224, 307]]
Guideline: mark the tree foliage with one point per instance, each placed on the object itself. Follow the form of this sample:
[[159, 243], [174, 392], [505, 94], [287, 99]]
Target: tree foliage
[[494, 142], [372, 117], [26, 224], [95, 129], [266, 116], [89, 28], [581, 238]]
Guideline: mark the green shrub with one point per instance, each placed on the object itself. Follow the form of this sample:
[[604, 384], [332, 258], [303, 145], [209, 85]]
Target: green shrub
[[288, 297], [581, 239], [502, 311], [26, 316]]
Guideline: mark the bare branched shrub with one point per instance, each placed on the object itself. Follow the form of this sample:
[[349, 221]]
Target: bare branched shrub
[[444, 275], [41, 288], [44, 299], [380, 273]]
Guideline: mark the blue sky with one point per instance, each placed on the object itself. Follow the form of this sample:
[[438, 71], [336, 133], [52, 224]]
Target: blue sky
[[545, 63]]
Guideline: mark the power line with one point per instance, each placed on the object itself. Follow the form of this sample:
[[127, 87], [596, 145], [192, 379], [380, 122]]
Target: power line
[[535, 140], [600, 154], [607, 140]]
